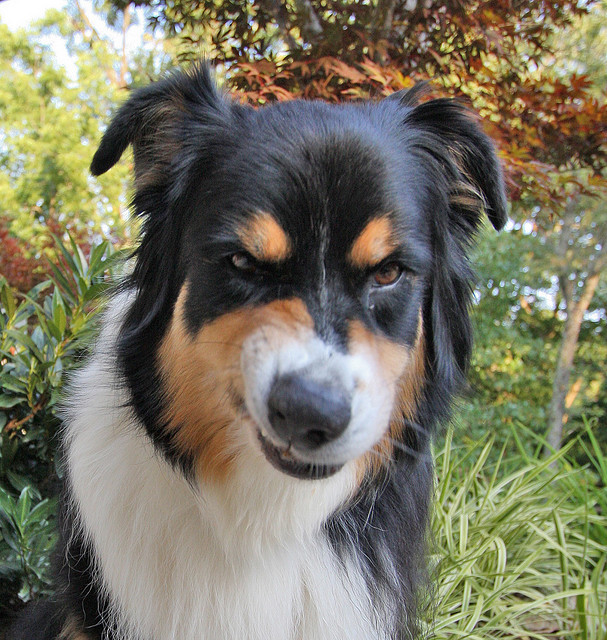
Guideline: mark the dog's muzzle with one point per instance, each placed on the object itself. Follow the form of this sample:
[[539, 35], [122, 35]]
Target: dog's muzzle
[[313, 408]]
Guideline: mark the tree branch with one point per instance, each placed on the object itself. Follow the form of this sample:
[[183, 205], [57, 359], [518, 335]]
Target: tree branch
[[124, 67], [110, 71], [382, 20], [279, 12], [311, 28]]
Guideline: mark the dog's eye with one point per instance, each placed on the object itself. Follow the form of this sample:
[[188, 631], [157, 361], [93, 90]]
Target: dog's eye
[[243, 262], [387, 274]]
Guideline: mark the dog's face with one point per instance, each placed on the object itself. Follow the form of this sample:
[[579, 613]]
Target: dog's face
[[302, 279], [300, 309]]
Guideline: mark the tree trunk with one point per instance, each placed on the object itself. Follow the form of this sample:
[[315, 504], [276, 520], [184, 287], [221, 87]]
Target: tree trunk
[[560, 387], [381, 26], [124, 65]]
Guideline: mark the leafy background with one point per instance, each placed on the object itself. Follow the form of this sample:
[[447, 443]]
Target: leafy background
[[520, 531]]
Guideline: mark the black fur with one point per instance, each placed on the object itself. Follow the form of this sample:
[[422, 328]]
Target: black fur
[[202, 163], [215, 159]]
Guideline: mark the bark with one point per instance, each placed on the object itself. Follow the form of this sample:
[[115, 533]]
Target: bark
[[124, 65], [571, 333], [382, 20], [573, 393], [381, 26], [110, 72], [278, 10], [311, 28]]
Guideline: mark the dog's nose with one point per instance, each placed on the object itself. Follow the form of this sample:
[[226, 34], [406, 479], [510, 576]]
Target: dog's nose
[[307, 413]]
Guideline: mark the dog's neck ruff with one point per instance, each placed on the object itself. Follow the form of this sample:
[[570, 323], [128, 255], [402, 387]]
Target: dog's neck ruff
[[247, 559]]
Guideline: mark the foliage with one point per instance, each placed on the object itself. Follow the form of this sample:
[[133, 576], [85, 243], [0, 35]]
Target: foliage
[[520, 550], [517, 323], [584, 49], [50, 119], [19, 269], [591, 490], [43, 335], [29, 536]]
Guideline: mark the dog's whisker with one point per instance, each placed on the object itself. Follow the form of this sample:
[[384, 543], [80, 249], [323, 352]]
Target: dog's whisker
[[401, 446]]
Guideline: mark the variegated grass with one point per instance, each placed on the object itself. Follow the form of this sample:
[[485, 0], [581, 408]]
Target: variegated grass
[[518, 551]]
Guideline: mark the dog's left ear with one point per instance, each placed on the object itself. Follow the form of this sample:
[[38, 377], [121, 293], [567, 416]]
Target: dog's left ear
[[452, 134]]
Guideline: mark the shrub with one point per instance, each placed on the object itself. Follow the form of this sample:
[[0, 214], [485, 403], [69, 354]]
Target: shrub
[[43, 335], [520, 546]]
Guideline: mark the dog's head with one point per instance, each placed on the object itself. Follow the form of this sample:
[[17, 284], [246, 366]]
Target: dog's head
[[302, 286]]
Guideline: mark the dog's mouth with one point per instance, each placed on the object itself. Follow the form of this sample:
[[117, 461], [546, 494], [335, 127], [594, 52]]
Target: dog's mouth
[[285, 461]]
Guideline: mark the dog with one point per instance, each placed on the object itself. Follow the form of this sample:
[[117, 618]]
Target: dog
[[247, 451]]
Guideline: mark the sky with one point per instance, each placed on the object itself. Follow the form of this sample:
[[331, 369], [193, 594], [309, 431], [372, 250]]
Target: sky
[[15, 16], [12, 14]]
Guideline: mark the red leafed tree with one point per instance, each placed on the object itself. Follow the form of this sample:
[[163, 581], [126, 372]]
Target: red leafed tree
[[20, 271]]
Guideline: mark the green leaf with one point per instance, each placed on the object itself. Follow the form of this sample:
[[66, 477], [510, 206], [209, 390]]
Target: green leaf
[[70, 258], [78, 258], [22, 508], [10, 533], [20, 483], [6, 402], [95, 291], [95, 261], [59, 316], [63, 283], [8, 300], [7, 502], [43, 510], [25, 340]]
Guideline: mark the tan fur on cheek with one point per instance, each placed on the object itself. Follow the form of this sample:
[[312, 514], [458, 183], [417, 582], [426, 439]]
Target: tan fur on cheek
[[204, 381], [403, 372], [410, 386], [392, 357]]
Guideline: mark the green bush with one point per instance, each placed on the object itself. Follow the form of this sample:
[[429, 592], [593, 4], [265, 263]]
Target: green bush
[[520, 545], [43, 335]]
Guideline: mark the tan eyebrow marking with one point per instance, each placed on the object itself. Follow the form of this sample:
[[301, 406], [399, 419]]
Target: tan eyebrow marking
[[374, 243], [264, 238]]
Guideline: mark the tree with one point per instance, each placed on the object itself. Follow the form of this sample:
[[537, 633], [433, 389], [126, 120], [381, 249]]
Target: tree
[[519, 320], [580, 242], [50, 120], [492, 53], [579, 234]]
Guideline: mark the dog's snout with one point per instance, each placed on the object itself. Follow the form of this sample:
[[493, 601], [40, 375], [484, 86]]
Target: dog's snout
[[307, 413]]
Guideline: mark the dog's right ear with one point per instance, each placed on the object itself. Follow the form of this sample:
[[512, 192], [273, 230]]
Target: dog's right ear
[[138, 116], [152, 121]]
